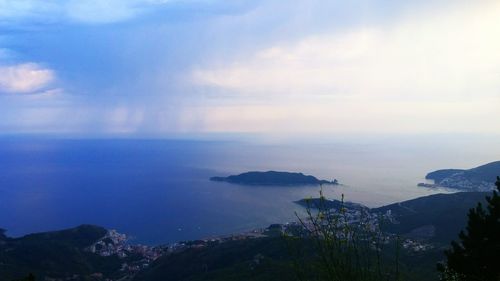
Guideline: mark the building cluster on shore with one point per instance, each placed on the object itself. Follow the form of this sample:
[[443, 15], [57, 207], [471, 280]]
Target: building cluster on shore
[[416, 245], [138, 257], [115, 243], [461, 183]]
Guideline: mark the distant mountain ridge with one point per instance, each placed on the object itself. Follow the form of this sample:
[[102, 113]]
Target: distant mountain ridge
[[273, 178], [481, 178]]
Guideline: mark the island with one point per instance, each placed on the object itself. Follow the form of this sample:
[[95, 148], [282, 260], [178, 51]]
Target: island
[[480, 178], [273, 178]]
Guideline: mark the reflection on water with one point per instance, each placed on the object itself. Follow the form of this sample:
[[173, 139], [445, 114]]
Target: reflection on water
[[158, 191]]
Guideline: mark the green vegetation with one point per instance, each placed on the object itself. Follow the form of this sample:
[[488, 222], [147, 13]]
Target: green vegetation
[[249, 259], [477, 255], [57, 254], [348, 244], [436, 218]]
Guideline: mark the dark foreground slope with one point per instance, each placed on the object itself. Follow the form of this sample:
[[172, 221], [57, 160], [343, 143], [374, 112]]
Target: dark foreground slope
[[263, 259], [249, 259], [437, 218], [58, 254]]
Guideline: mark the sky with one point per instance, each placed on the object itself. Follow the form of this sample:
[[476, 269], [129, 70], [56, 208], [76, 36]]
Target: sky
[[167, 67]]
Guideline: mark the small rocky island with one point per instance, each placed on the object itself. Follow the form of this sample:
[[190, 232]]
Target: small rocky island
[[273, 178]]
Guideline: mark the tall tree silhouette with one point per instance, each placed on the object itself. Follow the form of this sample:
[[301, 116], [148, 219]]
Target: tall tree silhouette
[[477, 255]]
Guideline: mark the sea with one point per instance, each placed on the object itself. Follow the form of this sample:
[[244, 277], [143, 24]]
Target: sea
[[157, 191]]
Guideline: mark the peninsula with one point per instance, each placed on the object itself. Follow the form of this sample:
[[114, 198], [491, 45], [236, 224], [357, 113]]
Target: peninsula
[[481, 178], [273, 178]]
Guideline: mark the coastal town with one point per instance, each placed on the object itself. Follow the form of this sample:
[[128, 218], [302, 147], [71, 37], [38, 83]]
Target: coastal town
[[136, 257]]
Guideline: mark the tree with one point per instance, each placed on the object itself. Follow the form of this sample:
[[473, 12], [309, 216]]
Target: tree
[[477, 255], [347, 243]]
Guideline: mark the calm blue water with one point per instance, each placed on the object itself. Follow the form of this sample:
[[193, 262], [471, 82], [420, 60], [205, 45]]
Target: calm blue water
[[158, 190]]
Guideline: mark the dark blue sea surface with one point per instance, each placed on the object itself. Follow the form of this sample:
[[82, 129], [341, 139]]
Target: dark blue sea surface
[[158, 191]]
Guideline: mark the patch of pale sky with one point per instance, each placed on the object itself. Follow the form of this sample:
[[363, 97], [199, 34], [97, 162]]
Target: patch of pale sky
[[24, 78], [430, 73], [83, 11], [448, 55]]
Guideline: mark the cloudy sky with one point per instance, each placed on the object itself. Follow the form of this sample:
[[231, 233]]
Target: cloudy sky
[[163, 67]]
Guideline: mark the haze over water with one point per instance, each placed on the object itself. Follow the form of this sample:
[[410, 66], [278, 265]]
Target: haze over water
[[158, 191]]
